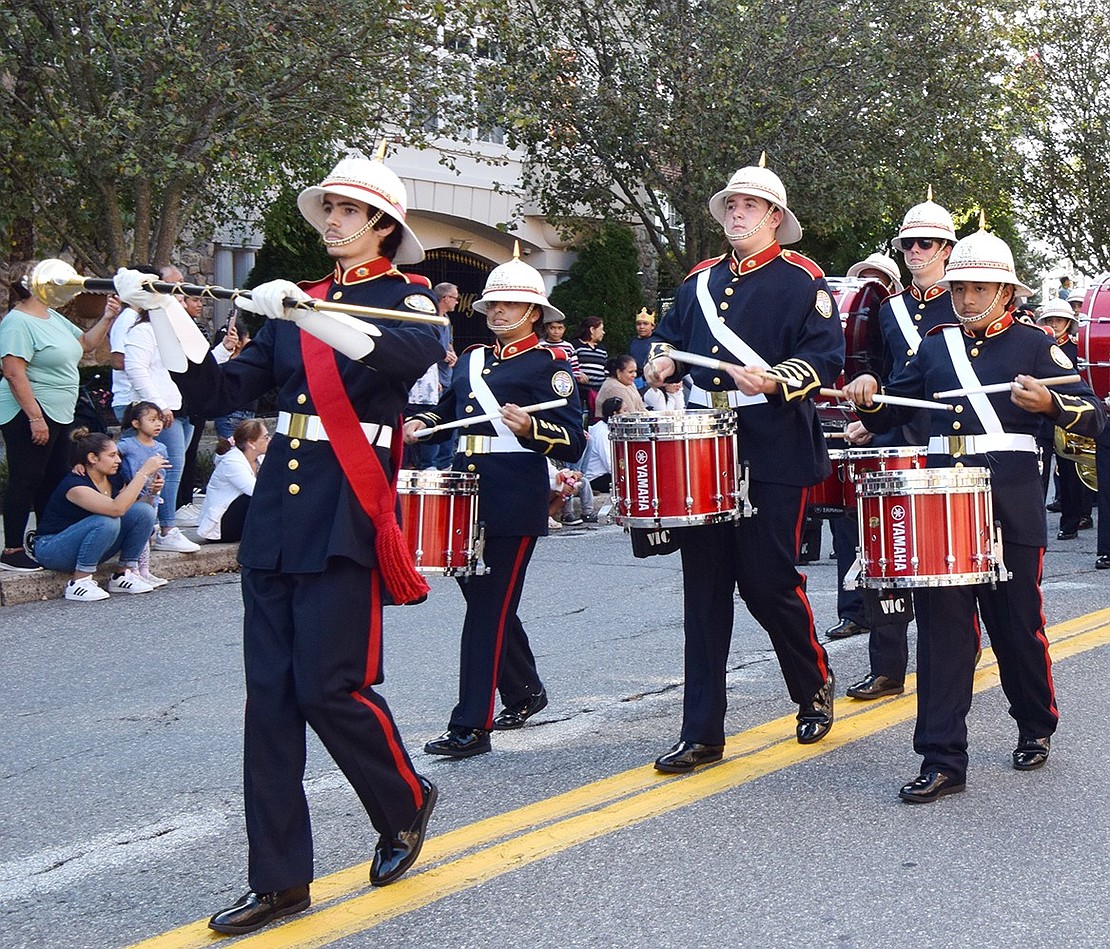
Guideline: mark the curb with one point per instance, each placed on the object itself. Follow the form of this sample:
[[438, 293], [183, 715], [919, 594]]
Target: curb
[[20, 588]]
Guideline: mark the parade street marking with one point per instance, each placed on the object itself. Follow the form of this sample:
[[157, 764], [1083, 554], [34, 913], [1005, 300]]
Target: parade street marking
[[344, 905]]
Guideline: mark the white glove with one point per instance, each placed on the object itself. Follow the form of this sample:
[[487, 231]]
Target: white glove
[[178, 339], [129, 288], [268, 300]]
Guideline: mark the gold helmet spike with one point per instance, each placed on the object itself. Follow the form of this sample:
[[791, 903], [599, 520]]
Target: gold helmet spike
[[929, 193], [982, 220], [379, 155], [516, 250], [763, 159]]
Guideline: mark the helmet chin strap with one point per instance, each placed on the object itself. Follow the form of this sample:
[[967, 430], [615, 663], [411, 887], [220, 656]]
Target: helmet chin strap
[[965, 320], [922, 265], [502, 330], [755, 230], [343, 242]]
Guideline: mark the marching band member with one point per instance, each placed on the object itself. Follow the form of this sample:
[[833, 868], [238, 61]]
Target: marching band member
[[1076, 501], [986, 345], [925, 239], [766, 308], [510, 456], [318, 543], [879, 267]]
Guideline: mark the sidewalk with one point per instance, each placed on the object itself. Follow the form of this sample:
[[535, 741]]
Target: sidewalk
[[18, 588]]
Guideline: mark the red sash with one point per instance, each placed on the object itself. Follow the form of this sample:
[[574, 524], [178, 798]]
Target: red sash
[[376, 494]]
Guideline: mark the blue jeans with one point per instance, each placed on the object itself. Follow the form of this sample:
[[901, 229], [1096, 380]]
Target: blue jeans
[[81, 547], [176, 438], [225, 425]]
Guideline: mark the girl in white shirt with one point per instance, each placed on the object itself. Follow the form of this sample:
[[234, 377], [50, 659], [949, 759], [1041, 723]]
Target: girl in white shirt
[[228, 496]]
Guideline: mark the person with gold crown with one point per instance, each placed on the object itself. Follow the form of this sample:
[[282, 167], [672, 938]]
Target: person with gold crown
[[925, 240], [510, 454], [758, 308], [986, 345], [321, 548], [640, 344]]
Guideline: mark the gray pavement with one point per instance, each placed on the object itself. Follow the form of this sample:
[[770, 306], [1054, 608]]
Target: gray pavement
[[120, 807]]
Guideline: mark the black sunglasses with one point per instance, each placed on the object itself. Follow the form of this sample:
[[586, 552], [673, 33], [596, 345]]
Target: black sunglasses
[[925, 243]]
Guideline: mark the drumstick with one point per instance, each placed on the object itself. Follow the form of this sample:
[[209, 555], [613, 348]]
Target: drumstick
[[1005, 386], [463, 422], [893, 400], [708, 362]]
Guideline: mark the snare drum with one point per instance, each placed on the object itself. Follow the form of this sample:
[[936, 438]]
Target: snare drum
[[897, 458], [439, 518], [676, 470], [1093, 355], [929, 527], [836, 493]]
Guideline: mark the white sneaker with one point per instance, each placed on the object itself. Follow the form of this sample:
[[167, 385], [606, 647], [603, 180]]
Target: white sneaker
[[85, 589], [151, 580], [129, 582], [187, 516], [553, 525], [174, 540]]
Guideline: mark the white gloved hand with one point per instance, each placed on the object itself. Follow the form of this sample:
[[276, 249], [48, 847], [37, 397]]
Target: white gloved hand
[[129, 288], [268, 299]]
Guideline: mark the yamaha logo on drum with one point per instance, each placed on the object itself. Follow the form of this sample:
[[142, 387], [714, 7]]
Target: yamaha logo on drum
[[643, 488], [898, 537]]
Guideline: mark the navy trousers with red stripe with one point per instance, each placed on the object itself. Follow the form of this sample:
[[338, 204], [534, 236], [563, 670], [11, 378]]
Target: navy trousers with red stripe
[[495, 655], [947, 640], [313, 652], [755, 556]]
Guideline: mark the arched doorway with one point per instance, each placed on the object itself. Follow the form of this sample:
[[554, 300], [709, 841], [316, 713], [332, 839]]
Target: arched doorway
[[468, 272]]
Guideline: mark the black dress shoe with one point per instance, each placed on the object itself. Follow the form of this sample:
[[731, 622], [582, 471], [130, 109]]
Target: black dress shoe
[[1085, 523], [1067, 535], [815, 718], [393, 857], [845, 628], [687, 755], [875, 687], [460, 743], [515, 715], [927, 787], [1053, 507], [1102, 562], [1030, 753], [255, 910]]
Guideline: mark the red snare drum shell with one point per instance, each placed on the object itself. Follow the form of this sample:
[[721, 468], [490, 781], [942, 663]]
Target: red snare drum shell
[[439, 518], [1094, 338]]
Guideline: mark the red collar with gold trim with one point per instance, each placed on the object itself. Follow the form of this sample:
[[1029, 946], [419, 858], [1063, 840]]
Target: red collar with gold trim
[[931, 294], [516, 347], [360, 273], [754, 261], [1003, 323]]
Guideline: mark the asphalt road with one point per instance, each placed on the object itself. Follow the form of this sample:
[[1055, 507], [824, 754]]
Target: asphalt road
[[121, 815]]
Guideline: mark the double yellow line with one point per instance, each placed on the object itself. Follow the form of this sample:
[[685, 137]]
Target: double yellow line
[[460, 859]]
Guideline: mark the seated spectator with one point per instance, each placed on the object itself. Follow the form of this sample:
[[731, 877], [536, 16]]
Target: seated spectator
[[668, 398], [231, 486], [597, 460], [144, 421], [620, 383], [94, 514]]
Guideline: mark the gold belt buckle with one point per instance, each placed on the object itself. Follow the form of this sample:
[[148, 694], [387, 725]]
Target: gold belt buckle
[[719, 400], [298, 425], [957, 445], [474, 444]]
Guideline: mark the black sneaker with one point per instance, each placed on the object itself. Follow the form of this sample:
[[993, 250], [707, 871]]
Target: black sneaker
[[18, 562]]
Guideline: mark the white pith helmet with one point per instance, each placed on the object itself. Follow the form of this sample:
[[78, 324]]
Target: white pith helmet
[[983, 258], [882, 263], [1058, 308], [517, 282], [927, 219], [371, 182], [759, 182]]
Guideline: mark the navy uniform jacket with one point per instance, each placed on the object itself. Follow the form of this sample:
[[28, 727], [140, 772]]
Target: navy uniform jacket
[[927, 310], [777, 301], [1005, 349], [303, 509], [514, 487]]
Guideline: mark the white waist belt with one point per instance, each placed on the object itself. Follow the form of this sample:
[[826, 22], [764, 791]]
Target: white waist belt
[[730, 398], [980, 444], [489, 445], [311, 429]]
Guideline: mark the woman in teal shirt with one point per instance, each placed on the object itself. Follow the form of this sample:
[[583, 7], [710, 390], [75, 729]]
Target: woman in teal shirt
[[39, 350]]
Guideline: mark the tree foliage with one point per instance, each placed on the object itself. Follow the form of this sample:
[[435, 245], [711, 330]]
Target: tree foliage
[[121, 122], [603, 283], [642, 109], [1064, 83]]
